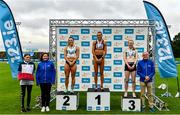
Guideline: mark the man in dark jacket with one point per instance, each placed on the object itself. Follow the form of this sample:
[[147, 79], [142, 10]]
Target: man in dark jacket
[[146, 71]]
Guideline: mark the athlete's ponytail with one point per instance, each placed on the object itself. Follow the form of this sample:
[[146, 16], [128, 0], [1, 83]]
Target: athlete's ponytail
[[130, 40]]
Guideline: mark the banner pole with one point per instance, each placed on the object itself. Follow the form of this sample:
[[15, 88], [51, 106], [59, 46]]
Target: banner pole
[[178, 90], [178, 83]]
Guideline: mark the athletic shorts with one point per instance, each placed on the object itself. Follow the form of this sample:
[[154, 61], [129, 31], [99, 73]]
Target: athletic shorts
[[130, 64], [99, 56], [69, 64]]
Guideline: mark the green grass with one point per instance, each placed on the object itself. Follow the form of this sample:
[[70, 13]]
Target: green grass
[[10, 97], [177, 59]]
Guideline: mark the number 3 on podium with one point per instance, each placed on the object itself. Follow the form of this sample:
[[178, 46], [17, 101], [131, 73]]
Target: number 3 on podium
[[132, 106]]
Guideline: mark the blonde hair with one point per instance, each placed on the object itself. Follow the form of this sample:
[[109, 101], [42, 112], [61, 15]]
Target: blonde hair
[[130, 40]]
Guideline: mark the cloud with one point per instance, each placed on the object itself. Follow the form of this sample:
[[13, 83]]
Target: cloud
[[35, 14]]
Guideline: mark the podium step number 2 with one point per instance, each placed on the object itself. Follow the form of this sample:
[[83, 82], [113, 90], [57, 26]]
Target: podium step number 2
[[67, 101]]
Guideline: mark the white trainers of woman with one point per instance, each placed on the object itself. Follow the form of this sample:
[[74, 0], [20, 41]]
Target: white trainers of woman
[[65, 91], [71, 91], [125, 94], [47, 108], [43, 109], [134, 94]]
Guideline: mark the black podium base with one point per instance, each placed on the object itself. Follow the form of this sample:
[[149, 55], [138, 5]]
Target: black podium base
[[131, 96], [98, 90], [68, 93]]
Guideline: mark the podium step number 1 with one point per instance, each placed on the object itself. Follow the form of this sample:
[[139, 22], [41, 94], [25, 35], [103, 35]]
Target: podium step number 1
[[98, 101]]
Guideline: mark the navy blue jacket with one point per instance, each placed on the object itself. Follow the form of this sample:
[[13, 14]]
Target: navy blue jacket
[[45, 72], [145, 68]]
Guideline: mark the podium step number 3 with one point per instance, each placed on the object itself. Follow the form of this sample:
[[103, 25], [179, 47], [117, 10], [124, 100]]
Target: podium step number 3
[[130, 104], [98, 101]]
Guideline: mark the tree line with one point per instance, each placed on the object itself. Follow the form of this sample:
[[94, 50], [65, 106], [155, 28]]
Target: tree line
[[176, 45], [36, 55]]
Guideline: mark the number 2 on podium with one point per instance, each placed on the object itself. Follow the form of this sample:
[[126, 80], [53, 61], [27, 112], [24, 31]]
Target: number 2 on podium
[[66, 101]]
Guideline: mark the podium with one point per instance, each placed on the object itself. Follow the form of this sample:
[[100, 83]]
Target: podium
[[130, 103], [98, 100], [67, 101]]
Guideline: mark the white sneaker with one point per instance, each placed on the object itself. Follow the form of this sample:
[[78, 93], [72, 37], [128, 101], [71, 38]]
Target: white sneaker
[[65, 91], [71, 91], [47, 109], [125, 94], [134, 95], [43, 109]]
